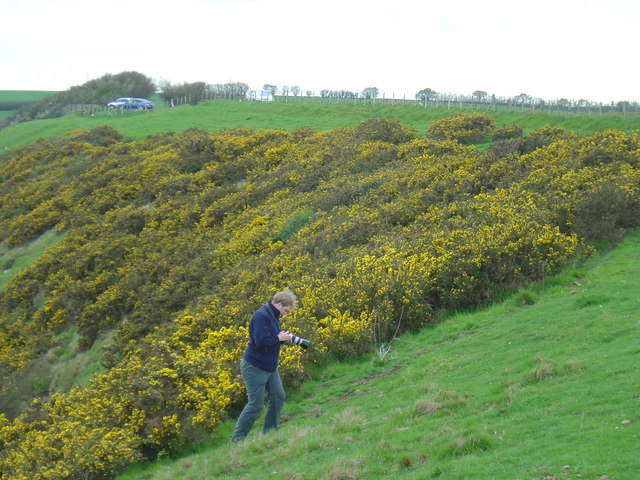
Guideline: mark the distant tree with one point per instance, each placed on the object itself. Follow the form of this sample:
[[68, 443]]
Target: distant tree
[[235, 90], [295, 90], [346, 94], [426, 94], [522, 99], [309, 93], [199, 91], [108, 87], [134, 84], [272, 89], [325, 93], [370, 93], [184, 92], [479, 96], [285, 90], [624, 106]]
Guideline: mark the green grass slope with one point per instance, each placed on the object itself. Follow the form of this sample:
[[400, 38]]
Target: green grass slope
[[223, 114], [14, 260], [543, 386], [24, 95], [10, 96]]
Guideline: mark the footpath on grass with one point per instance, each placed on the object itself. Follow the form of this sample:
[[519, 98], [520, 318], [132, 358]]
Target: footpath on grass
[[545, 385]]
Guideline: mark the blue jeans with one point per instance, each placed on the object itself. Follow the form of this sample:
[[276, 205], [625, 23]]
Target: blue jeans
[[257, 382]]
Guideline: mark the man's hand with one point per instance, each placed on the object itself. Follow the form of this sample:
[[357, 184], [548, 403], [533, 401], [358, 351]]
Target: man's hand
[[285, 336]]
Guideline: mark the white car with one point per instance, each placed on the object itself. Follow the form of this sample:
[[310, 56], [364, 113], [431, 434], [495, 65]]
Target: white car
[[259, 96], [130, 103], [119, 102]]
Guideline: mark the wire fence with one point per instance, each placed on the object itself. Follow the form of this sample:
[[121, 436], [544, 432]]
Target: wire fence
[[459, 102], [462, 102]]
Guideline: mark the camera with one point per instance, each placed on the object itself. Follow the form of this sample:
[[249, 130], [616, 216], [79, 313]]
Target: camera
[[301, 342]]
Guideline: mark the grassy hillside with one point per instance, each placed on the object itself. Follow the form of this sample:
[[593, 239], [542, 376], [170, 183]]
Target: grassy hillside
[[222, 114], [142, 260], [542, 386]]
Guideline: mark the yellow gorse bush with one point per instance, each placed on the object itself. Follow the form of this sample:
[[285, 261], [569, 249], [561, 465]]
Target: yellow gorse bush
[[172, 242]]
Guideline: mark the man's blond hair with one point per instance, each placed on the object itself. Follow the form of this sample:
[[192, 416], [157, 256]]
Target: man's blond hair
[[286, 298]]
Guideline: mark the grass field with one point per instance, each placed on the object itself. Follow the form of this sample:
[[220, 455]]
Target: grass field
[[545, 385], [24, 95], [224, 114]]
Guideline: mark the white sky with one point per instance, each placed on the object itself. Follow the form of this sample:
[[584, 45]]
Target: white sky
[[574, 49]]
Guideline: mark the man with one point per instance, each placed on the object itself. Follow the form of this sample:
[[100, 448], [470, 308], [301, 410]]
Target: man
[[259, 365]]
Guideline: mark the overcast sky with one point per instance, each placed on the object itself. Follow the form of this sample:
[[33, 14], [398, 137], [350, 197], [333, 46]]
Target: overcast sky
[[551, 49]]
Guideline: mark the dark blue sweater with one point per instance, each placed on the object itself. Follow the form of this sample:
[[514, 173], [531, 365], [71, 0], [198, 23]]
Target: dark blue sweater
[[264, 346]]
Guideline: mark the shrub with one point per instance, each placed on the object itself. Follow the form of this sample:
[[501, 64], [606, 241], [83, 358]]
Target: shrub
[[384, 130], [508, 132], [294, 223], [463, 127], [605, 212], [100, 136]]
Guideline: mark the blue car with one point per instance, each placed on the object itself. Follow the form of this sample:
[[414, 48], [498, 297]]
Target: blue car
[[131, 103]]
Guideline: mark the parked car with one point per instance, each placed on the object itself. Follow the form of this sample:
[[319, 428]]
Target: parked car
[[119, 102], [130, 103], [260, 95]]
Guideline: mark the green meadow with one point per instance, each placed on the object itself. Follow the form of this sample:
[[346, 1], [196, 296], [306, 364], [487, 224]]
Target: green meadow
[[225, 114], [24, 95]]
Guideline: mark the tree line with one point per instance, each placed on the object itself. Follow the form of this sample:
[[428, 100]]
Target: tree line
[[134, 84]]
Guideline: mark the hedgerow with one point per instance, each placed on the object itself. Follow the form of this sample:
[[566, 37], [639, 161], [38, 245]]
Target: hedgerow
[[173, 241]]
